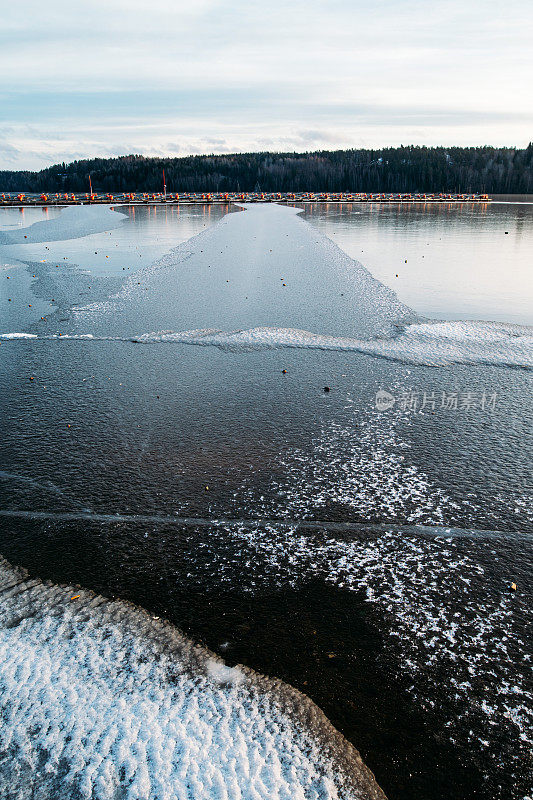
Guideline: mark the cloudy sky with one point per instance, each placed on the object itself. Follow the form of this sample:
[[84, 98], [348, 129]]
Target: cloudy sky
[[167, 77]]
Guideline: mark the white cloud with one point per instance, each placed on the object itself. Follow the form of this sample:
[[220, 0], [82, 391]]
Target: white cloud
[[214, 75]]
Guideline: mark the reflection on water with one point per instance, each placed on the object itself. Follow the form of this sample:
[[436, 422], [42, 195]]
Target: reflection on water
[[12, 218], [453, 261], [148, 233]]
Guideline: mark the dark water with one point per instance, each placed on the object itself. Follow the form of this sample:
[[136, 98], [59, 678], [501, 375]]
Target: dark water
[[396, 617]]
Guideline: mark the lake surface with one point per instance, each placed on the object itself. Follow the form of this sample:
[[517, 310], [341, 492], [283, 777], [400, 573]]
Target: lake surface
[[447, 261], [362, 551]]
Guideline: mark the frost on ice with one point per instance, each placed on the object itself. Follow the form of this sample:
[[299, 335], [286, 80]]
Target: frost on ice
[[430, 344], [99, 700]]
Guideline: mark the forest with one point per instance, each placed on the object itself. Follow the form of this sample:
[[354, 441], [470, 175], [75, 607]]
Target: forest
[[496, 170]]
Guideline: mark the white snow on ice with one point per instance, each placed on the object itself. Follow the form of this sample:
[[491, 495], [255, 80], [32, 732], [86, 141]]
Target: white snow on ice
[[100, 701], [429, 344], [365, 469], [18, 336]]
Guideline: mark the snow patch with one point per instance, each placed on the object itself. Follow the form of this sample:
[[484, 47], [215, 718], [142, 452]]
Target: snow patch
[[223, 675], [430, 344], [99, 700], [18, 336]]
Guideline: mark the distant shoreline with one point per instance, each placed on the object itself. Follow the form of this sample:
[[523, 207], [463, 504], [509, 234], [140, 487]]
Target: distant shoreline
[[206, 198]]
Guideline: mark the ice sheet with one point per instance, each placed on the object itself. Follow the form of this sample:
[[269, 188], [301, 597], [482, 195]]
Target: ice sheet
[[73, 222], [263, 267]]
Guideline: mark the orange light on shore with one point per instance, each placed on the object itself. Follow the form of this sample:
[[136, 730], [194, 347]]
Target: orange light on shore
[[207, 198]]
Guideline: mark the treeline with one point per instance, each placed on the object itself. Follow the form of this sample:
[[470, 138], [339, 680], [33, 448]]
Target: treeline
[[498, 170]]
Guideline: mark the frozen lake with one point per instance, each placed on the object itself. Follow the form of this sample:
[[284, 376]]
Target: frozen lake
[[463, 262], [167, 439]]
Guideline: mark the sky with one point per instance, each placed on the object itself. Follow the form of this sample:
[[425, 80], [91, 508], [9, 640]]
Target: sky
[[170, 78]]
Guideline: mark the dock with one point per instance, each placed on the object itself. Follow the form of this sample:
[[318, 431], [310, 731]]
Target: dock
[[188, 198]]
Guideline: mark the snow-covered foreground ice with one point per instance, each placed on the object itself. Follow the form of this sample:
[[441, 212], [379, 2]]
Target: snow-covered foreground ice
[[100, 700], [72, 223]]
